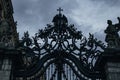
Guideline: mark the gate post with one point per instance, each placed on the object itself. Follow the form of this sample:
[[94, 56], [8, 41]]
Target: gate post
[[6, 63], [5, 68], [111, 63], [113, 70]]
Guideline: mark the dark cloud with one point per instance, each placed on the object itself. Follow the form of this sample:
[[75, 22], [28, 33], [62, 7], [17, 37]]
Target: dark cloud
[[110, 2], [34, 14], [87, 15]]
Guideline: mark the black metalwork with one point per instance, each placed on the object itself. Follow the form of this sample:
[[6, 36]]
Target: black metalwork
[[59, 52]]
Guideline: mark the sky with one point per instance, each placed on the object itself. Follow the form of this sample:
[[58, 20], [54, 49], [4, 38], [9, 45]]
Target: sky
[[88, 16]]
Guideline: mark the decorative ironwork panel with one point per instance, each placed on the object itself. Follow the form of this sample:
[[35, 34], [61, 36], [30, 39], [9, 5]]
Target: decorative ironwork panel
[[59, 52]]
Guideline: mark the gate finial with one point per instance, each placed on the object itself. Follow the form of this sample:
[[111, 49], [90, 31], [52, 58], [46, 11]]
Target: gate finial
[[60, 10]]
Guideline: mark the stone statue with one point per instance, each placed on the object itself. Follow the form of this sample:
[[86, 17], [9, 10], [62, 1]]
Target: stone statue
[[112, 36], [118, 25], [118, 19]]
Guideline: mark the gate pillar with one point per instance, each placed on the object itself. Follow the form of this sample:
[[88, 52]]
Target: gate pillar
[[113, 71], [111, 61], [5, 68]]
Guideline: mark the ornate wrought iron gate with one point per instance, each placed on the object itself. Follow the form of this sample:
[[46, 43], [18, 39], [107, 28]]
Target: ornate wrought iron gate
[[59, 52]]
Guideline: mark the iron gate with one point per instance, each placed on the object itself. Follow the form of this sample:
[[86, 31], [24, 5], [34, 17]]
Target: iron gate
[[58, 52]]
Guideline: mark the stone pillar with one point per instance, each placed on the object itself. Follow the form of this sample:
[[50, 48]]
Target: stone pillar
[[111, 64], [113, 71], [5, 69]]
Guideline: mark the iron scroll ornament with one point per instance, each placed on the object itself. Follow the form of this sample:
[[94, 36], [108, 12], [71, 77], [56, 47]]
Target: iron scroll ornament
[[62, 42]]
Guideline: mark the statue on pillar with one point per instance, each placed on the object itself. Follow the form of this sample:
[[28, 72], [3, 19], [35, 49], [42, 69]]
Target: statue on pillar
[[112, 36]]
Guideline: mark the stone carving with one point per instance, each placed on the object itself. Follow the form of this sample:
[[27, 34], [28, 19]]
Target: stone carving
[[5, 35], [112, 36]]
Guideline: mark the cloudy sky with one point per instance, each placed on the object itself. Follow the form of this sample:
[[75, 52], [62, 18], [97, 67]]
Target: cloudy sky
[[87, 15]]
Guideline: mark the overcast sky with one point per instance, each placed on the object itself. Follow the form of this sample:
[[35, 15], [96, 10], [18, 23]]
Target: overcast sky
[[87, 15]]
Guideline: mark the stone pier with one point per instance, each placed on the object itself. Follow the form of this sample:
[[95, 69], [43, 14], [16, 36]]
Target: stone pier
[[5, 70]]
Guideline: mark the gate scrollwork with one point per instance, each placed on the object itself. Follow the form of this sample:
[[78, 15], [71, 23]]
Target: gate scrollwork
[[60, 44]]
